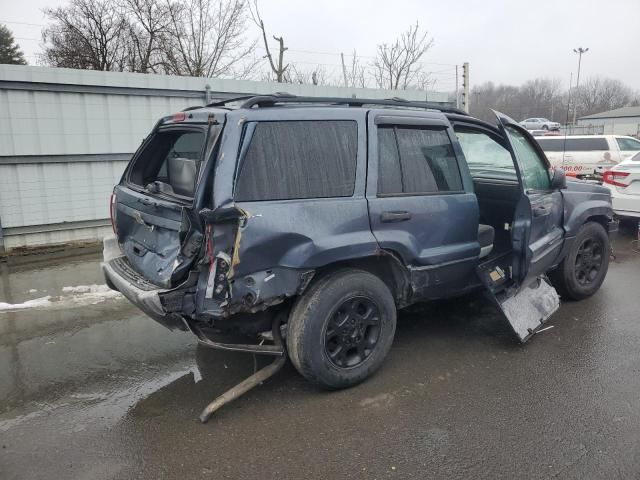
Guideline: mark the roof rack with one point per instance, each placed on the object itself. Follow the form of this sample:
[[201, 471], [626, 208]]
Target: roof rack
[[282, 98], [222, 103]]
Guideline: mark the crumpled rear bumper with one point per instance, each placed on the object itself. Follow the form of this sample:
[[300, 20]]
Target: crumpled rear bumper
[[135, 290]]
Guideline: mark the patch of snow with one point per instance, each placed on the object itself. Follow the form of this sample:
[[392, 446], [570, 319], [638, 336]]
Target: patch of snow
[[80, 295]]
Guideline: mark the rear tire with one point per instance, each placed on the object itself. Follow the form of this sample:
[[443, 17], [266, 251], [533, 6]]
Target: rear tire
[[585, 267], [341, 329]]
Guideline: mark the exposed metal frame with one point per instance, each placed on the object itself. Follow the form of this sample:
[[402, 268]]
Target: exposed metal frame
[[278, 349]]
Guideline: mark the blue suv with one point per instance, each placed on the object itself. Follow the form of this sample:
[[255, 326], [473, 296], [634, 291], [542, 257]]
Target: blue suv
[[309, 222]]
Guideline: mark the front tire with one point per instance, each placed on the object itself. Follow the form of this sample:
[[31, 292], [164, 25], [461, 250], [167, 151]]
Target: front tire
[[585, 267], [341, 329], [545, 127]]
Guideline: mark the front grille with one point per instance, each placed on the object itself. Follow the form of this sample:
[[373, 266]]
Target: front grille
[[122, 266]]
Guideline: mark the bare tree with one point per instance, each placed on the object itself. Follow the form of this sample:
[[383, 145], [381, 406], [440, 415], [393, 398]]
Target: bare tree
[[88, 34], [539, 97], [599, 94], [277, 66], [397, 65], [356, 73], [149, 27], [543, 97], [314, 76], [206, 38]]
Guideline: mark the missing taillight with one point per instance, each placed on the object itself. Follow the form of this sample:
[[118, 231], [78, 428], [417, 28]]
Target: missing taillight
[[612, 177]]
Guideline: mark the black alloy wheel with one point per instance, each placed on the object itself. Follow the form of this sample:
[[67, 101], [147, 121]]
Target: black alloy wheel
[[589, 261], [353, 332]]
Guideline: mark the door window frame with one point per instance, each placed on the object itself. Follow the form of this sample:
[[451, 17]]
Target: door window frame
[[384, 120]]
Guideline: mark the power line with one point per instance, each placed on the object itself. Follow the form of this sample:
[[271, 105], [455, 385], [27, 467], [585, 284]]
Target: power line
[[24, 23]]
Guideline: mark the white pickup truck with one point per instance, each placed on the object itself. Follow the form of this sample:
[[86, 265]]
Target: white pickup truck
[[586, 155]]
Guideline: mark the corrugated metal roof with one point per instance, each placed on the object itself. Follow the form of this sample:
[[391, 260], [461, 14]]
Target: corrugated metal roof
[[618, 112]]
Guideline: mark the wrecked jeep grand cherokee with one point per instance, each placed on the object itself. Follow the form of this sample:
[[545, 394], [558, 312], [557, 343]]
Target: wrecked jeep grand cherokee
[[317, 218]]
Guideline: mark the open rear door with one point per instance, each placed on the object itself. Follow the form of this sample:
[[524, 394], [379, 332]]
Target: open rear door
[[537, 236]]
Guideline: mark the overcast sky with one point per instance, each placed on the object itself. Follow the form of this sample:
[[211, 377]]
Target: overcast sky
[[507, 41]]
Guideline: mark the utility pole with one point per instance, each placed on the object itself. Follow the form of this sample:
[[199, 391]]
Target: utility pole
[[579, 51], [344, 70], [465, 86], [457, 92]]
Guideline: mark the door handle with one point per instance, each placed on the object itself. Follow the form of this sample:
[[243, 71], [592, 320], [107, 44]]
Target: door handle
[[390, 217]]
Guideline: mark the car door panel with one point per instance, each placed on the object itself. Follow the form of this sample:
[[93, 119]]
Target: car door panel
[[435, 233], [541, 212]]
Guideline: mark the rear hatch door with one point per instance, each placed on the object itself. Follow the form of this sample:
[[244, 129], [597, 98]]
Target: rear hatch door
[[155, 205]]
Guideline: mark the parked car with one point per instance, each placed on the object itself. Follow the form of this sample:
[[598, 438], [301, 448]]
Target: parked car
[[624, 182], [586, 155], [539, 124], [320, 218]]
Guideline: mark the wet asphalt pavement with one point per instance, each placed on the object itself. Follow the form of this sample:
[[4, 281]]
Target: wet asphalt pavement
[[92, 389]]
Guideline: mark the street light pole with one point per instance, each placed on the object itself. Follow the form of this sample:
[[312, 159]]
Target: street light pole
[[579, 51]]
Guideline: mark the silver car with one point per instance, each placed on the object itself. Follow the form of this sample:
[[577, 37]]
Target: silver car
[[539, 124]]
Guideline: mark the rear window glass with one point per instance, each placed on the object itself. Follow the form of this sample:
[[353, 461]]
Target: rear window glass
[[170, 163], [299, 159], [416, 160], [597, 144]]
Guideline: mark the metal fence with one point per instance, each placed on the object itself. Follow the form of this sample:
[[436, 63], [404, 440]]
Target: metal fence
[[66, 136], [582, 130]]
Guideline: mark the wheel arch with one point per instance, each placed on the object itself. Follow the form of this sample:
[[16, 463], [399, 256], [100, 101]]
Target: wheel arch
[[385, 264], [600, 218]]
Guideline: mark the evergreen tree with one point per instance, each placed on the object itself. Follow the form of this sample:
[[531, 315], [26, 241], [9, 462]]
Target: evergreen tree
[[9, 50]]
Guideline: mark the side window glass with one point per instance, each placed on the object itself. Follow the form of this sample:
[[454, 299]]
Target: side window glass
[[416, 160], [534, 172], [427, 161], [389, 176], [485, 156], [299, 159], [628, 144]]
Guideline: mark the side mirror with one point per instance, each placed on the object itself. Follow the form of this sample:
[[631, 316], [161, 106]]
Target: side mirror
[[558, 179]]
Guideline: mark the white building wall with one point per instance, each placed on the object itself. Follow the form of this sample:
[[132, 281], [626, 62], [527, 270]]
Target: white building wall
[[615, 126]]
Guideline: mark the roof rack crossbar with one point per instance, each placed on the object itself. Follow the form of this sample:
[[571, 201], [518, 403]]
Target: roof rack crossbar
[[222, 103], [272, 100]]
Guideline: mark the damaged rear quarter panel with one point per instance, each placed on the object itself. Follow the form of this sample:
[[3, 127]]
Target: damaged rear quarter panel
[[303, 234], [279, 243]]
